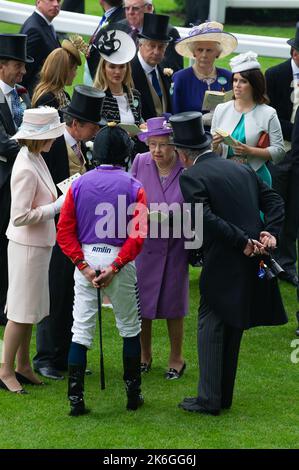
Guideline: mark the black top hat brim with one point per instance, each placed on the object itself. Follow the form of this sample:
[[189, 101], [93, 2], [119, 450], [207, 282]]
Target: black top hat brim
[[70, 112], [157, 38], [294, 43], [28, 59], [202, 145]]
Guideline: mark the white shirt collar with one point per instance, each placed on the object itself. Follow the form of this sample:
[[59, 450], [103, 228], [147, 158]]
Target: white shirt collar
[[146, 67], [295, 67], [6, 89], [69, 138], [43, 16], [109, 12], [201, 154]]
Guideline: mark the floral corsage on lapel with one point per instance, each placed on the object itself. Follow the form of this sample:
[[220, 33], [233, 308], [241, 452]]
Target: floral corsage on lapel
[[21, 90], [167, 72]]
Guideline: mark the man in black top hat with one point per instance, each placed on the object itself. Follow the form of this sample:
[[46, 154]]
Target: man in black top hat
[[66, 157], [147, 74], [282, 85], [42, 38], [135, 10], [76, 6], [197, 12], [13, 100], [233, 296]]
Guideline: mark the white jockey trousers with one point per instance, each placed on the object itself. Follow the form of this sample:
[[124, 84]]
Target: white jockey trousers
[[123, 293]]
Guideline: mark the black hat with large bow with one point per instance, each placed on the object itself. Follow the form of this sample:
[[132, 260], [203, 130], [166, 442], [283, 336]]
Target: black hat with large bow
[[116, 46]]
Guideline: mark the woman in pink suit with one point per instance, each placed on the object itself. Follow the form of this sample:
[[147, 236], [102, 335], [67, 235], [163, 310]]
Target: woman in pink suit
[[31, 233], [162, 266]]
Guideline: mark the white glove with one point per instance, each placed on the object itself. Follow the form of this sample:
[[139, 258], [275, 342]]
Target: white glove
[[89, 145], [207, 118], [58, 203]]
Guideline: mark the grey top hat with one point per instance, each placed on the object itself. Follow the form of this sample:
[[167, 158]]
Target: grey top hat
[[14, 46], [294, 42]]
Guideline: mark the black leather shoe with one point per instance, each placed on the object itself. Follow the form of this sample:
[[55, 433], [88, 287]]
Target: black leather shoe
[[291, 278], [190, 400], [195, 407], [193, 400], [135, 402], [63, 371], [49, 373], [144, 367], [79, 410], [172, 373]]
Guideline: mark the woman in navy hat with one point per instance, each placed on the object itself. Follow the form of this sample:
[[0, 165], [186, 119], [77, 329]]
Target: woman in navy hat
[[162, 266]]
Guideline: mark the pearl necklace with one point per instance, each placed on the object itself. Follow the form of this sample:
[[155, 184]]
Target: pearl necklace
[[201, 76], [166, 171]]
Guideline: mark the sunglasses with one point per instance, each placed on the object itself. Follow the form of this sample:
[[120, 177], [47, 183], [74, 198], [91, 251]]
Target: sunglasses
[[135, 9]]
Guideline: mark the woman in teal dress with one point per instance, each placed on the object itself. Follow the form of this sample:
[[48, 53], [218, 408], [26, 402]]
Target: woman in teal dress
[[247, 118]]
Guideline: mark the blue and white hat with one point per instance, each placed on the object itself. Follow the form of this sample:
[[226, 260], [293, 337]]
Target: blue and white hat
[[40, 124]]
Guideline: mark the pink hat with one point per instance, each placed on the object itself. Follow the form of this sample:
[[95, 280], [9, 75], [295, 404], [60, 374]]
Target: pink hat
[[155, 126]]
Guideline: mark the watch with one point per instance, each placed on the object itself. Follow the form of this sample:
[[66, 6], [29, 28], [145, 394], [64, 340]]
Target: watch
[[115, 266], [81, 264]]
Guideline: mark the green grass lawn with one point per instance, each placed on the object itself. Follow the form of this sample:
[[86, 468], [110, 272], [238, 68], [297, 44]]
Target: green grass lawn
[[264, 413], [265, 409]]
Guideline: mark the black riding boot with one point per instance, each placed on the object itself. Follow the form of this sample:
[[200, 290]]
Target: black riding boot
[[76, 390], [132, 378]]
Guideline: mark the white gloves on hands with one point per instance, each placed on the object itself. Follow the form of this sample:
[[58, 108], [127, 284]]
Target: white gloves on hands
[[58, 203]]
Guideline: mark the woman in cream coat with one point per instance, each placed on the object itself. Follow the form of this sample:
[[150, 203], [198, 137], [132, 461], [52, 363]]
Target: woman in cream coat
[[247, 117], [31, 233]]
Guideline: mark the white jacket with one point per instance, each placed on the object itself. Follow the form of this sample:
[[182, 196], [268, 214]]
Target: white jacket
[[260, 119], [33, 193]]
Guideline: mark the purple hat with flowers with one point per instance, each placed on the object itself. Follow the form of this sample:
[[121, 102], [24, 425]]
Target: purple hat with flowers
[[208, 31], [155, 126]]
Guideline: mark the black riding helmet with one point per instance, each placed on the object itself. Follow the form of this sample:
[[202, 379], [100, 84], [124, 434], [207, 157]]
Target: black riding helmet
[[112, 146]]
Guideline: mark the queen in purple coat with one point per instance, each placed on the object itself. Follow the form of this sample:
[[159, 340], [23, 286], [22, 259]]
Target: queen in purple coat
[[162, 266]]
